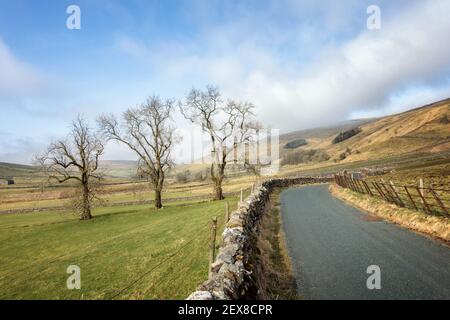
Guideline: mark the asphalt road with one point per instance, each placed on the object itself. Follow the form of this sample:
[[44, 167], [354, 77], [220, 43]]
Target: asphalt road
[[331, 245]]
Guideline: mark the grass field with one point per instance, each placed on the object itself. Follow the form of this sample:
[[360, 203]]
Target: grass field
[[124, 252], [135, 252]]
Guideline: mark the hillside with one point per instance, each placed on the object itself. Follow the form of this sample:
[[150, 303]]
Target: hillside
[[421, 130], [16, 170]]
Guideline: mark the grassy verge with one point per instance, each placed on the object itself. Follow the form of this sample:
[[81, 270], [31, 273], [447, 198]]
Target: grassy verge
[[130, 252], [435, 226], [278, 281]]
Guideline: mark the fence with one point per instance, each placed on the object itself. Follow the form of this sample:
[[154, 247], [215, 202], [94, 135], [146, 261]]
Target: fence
[[431, 200]]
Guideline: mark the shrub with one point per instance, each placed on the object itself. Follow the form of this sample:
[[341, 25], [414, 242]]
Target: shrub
[[302, 156], [183, 176]]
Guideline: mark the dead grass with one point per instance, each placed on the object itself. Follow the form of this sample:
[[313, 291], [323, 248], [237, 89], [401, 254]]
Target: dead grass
[[435, 226], [278, 282]]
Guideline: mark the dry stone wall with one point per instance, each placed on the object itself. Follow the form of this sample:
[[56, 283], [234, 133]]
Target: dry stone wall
[[235, 270]]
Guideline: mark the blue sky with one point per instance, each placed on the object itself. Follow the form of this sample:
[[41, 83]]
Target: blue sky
[[303, 63]]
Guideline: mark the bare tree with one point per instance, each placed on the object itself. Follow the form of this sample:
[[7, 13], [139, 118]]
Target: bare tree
[[227, 125], [146, 130], [254, 167], [76, 158]]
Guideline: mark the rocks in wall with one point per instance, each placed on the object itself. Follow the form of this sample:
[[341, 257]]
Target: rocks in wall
[[234, 272]]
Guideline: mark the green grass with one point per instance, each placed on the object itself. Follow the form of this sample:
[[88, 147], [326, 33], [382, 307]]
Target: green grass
[[122, 252]]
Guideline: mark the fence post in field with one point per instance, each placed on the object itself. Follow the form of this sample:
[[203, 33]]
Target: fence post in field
[[380, 190], [242, 195], [376, 188], [438, 200], [421, 189], [355, 183], [358, 186], [227, 212], [367, 188], [253, 187], [344, 182], [424, 202], [212, 248], [410, 198], [350, 183], [339, 180], [390, 193], [389, 196], [394, 190], [361, 187], [355, 187]]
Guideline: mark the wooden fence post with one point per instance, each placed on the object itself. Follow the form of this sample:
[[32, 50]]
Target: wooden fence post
[[410, 198], [388, 194], [367, 188], [380, 191], [212, 248], [421, 189], [394, 190], [227, 212], [424, 202], [350, 183], [438, 200], [360, 185], [242, 195]]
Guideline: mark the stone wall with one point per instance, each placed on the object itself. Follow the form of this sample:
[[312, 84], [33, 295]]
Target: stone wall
[[235, 271]]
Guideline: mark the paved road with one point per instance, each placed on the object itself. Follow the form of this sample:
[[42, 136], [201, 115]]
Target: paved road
[[332, 244]]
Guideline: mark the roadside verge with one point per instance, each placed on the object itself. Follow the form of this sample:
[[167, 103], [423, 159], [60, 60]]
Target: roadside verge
[[435, 226]]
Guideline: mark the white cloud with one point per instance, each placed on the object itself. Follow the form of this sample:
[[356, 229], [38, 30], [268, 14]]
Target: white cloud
[[16, 77], [247, 61], [364, 72]]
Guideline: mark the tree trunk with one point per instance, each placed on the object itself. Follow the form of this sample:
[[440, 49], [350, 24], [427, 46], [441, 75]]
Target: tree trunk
[[158, 202], [86, 212], [217, 178], [218, 193]]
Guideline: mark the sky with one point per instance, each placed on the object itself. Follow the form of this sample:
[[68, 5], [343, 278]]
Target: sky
[[302, 63]]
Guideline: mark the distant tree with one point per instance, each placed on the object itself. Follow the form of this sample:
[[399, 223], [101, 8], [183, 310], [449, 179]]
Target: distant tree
[[76, 158], [146, 130], [183, 176], [227, 125], [342, 136], [295, 144]]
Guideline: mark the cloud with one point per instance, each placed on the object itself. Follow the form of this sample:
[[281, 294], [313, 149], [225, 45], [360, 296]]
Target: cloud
[[131, 47], [362, 73], [16, 77], [295, 87]]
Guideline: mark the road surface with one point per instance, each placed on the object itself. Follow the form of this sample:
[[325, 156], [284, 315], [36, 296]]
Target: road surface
[[332, 244]]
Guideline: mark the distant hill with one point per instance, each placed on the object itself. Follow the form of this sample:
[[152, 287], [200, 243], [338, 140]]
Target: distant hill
[[119, 168], [16, 170], [421, 130]]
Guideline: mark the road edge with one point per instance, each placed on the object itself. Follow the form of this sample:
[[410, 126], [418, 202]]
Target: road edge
[[432, 226]]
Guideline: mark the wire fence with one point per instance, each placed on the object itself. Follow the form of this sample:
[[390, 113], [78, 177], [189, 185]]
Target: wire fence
[[430, 200]]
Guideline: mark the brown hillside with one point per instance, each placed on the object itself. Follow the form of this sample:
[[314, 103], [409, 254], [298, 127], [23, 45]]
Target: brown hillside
[[425, 130]]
